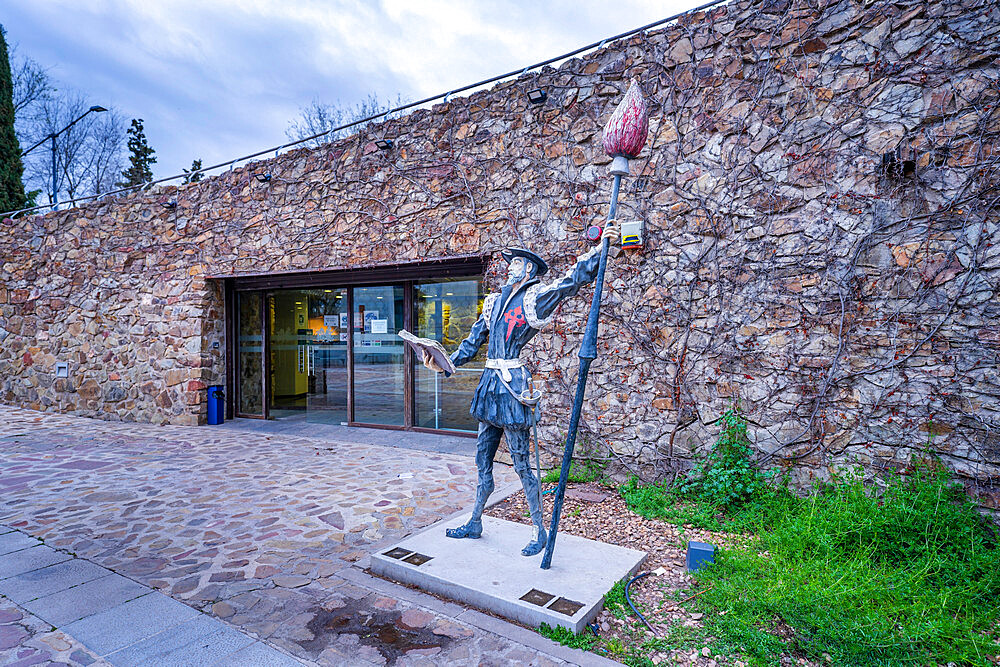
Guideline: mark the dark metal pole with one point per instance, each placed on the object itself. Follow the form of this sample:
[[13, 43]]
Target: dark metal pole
[[54, 191], [588, 352]]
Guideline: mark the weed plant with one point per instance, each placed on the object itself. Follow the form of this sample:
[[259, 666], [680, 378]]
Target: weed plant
[[615, 602], [567, 637], [727, 491], [728, 477]]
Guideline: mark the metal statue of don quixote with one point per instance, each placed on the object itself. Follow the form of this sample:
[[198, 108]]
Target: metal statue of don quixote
[[507, 405]]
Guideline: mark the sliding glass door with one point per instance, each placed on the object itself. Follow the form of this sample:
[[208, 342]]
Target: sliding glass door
[[326, 401], [445, 310], [379, 355], [249, 355]]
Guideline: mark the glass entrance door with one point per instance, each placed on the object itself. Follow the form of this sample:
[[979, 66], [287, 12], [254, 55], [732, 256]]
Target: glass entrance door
[[288, 345], [250, 355], [307, 344], [332, 355], [326, 401], [379, 354], [445, 310]]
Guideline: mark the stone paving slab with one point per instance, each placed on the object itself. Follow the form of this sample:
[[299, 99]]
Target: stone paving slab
[[87, 599], [258, 655], [428, 442], [103, 611], [11, 541], [129, 623], [48, 580], [200, 641], [32, 558]]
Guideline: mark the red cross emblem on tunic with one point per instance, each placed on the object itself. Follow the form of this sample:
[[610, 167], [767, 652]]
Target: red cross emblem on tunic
[[513, 318]]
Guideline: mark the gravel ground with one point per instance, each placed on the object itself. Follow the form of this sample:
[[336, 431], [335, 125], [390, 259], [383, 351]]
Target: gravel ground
[[596, 512]]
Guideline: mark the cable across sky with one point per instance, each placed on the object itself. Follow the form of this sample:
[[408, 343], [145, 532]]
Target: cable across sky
[[383, 114]]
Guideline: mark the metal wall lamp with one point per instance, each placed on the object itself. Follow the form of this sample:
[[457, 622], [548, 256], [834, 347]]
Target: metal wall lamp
[[170, 203], [384, 144], [263, 177], [537, 96]]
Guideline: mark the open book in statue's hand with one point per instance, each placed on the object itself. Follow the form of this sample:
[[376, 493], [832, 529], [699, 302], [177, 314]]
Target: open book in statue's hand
[[428, 349]]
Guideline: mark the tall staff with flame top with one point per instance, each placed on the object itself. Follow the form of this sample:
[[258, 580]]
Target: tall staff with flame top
[[624, 136]]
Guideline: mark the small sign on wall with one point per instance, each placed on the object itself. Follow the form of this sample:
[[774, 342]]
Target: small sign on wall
[[380, 326], [331, 321]]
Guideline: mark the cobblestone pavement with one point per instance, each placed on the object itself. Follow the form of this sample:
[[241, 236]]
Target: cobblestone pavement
[[261, 531], [26, 640]]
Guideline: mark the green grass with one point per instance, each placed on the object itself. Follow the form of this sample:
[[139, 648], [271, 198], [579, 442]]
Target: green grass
[[579, 471], [584, 640], [910, 577], [658, 501], [614, 600]]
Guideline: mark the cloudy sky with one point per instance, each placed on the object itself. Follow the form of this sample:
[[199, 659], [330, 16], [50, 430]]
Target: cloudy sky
[[216, 79]]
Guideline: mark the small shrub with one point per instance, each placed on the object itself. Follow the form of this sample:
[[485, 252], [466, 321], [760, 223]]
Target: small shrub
[[728, 477]]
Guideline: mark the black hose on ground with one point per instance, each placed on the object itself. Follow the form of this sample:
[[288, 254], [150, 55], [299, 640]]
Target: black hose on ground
[[629, 600]]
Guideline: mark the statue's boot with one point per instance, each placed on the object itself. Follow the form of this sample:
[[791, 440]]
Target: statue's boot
[[536, 545], [473, 529]]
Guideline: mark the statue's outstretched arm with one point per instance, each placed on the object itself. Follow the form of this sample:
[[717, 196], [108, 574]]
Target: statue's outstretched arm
[[541, 301]]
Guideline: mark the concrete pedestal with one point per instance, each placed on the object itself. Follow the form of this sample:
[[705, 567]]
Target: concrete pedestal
[[490, 573]]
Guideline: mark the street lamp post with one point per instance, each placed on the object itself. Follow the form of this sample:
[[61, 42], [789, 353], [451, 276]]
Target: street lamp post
[[95, 109]]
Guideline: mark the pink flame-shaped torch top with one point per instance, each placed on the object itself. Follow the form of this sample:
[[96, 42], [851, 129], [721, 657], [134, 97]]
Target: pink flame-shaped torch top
[[625, 134]]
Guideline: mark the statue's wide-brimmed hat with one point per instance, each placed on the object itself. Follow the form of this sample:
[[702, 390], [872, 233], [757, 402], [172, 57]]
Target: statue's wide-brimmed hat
[[510, 253]]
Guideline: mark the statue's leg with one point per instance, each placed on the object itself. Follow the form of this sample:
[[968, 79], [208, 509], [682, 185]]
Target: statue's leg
[[519, 443], [486, 449]]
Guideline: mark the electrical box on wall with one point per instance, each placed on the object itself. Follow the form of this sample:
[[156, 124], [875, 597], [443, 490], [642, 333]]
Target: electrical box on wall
[[632, 234], [62, 369]]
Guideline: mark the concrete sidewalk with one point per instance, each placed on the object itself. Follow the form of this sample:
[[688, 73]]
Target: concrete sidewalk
[[113, 617]]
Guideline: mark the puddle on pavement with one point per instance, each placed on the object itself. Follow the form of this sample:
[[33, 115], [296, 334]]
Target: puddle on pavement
[[381, 629]]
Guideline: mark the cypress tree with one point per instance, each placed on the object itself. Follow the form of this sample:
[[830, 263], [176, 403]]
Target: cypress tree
[[140, 157], [11, 168]]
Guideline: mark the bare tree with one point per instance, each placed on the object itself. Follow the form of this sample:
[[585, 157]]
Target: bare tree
[[88, 154], [31, 81], [319, 117]]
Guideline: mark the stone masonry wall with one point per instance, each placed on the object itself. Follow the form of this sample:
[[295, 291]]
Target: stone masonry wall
[[820, 190]]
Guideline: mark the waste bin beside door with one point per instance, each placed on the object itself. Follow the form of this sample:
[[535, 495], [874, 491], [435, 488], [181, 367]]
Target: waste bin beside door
[[216, 405]]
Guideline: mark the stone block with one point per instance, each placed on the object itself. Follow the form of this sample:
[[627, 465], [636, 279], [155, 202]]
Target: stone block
[[129, 623], [570, 593], [27, 560], [87, 599]]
